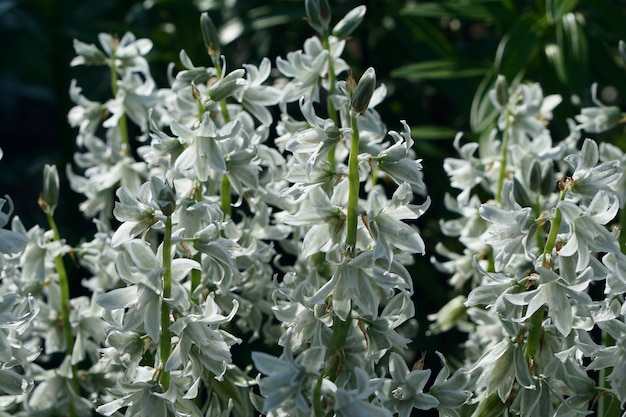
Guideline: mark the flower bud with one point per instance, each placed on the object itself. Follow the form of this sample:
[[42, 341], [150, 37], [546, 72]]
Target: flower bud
[[318, 14], [502, 91], [520, 194], [349, 23], [547, 179], [209, 35], [491, 406], [50, 196], [164, 196], [227, 86], [363, 92], [622, 51]]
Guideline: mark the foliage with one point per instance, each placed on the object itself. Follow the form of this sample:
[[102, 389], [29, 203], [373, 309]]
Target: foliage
[[256, 230]]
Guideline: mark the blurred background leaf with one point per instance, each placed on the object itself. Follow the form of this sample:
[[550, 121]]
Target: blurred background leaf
[[437, 58]]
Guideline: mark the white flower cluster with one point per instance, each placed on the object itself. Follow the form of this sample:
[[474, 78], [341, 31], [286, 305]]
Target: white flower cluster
[[273, 206], [542, 263], [230, 216]]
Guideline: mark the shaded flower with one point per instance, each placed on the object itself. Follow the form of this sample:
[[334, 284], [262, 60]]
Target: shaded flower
[[589, 177], [405, 390], [600, 118]]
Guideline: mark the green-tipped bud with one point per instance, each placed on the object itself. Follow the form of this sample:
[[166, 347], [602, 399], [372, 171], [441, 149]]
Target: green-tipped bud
[[502, 91], [350, 21], [622, 51], [318, 14], [520, 194], [491, 406], [535, 176], [363, 92], [547, 179], [209, 34], [50, 195], [228, 85], [163, 195]]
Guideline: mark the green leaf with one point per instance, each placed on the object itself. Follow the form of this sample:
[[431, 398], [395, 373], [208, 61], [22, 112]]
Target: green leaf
[[573, 43], [477, 10], [437, 69], [424, 31], [556, 9], [482, 112], [431, 132], [554, 54], [519, 47]]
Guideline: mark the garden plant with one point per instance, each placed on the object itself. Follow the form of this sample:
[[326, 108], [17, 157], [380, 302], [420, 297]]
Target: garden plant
[[270, 207]]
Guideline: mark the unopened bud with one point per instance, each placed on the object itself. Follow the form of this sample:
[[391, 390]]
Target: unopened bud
[[349, 23], [50, 196], [491, 406], [227, 86], [318, 14], [363, 92], [164, 196], [502, 91], [547, 179], [622, 51], [209, 34]]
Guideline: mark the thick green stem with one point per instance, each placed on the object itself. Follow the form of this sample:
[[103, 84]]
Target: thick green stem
[[622, 236], [166, 339], [332, 84], [608, 406], [534, 336], [534, 333], [341, 329], [554, 231], [225, 188], [317, 398], [225, 196], [503, 160], [65, 310], [122, 124], [196, 278], [353, 189]]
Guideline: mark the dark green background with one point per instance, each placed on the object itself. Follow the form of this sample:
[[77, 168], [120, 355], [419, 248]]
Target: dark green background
[[433, 56]]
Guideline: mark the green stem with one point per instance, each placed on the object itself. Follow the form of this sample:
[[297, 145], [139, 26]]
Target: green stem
[[332, 84], [607, 403], [225, 196], [65, 310], [353, 189], [196, 277], [534, 332], [225, 191], [341, 329], [534, 336], [554, 231], [166, 339], [622, 236], [122, 124], [317, 398], [503, 160]]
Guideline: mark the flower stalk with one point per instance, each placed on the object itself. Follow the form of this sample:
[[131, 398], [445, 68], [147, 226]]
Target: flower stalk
[[165, 342], [354, 185], [122, 123]]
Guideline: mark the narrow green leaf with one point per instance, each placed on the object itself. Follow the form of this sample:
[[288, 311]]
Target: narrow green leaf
[[573, 44], [482, 112], [556, 9], [424, 31], [555, 57], [519, 47], [430, 132], [476, 10], [437, 69]]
